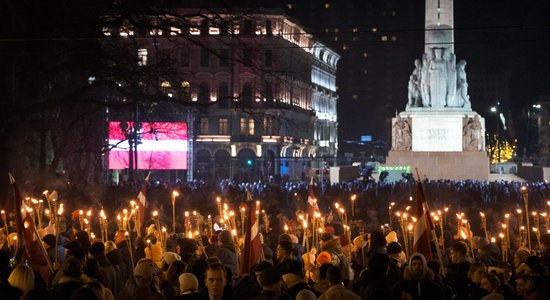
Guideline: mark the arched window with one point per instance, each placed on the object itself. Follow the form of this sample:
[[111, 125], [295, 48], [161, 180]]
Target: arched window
[[204, 92]]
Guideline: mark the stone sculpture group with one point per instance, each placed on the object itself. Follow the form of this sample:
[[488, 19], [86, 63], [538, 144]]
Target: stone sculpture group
[[438, 81]]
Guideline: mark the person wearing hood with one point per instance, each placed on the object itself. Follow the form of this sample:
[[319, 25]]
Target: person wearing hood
[[227, 253], [418, 282]]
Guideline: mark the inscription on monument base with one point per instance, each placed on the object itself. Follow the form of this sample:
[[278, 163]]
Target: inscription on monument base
[[437, 133]]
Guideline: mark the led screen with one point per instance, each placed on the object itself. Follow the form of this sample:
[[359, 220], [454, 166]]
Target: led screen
[[162, 146]]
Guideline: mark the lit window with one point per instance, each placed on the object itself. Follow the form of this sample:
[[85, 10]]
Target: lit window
[[355, 29], [289, 6], [204, 126], [336, 39], [165, 84], [223, 126], [142, 57], [250, 126], [345, 47], [374, 29], [185, 84], [355, 97], [243, 126], [394, 38], [365, 55], [384, 38], [336, 30], [327, 5]]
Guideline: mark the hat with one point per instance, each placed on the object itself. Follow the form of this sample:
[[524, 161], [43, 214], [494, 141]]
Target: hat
[[143, 272], [96, 249], [522, 253], [329, 229], [394, 248], [324, 257], [49, 239], [293, 238], [391, 237], [170, 257], [285, 237], [327, 236], [188, 282], [269, 277], [291, 279]]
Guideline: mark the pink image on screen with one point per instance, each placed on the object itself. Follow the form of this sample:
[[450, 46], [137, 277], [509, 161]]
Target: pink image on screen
[[163, 146]]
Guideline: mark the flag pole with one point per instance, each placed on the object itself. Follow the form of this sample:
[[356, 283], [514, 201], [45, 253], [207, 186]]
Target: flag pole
[[434, 235]]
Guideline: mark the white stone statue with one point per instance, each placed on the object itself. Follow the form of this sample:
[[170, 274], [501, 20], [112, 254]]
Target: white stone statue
[[401, 134], [437, 72], [462, 85], [415, 94], [472, 139]]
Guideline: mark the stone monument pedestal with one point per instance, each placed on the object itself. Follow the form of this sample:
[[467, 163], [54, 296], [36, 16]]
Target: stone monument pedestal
[[443, 165], [442, 144]]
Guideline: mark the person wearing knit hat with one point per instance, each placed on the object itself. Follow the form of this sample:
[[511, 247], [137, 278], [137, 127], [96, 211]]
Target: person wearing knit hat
[[144, 277], [520, 256], [324, 258], [189, 284], [170, 257], [144, 272]]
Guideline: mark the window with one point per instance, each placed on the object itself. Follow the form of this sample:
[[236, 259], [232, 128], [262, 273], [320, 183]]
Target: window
[[142, 57], [223, 92], [184, 57], [247, 27], [268, 27], [205, 58], [250, 126], [247, 57], [384, 38], [224, 58], [243, 126], [247, 94], [223, 126], [268, 58], [203, 129], [204, 27], [204, 92]]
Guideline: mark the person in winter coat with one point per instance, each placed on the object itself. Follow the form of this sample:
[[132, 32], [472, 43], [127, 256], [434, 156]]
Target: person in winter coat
[[227, 253], [418, 283]]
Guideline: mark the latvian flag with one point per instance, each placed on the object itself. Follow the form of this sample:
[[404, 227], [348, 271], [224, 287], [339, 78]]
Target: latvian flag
[[142, 198], [252, 244], [423, 226], [162, 146]]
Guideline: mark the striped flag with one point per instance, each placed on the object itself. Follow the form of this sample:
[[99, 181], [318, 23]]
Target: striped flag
[[423, 226], [163, 146], [252, 251], [312, 206], [23, 220], [142, 198]]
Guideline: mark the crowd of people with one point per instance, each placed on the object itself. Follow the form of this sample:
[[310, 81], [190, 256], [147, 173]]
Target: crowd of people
[[364, 255]]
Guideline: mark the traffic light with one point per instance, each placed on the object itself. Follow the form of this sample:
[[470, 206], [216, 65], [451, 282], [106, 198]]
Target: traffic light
[[249, 162]]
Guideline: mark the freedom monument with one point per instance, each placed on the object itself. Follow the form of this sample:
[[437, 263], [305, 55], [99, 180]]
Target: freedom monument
[[438, 132]]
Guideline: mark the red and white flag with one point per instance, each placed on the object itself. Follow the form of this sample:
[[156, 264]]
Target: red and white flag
[[163, 146], [252, 251], [423, 226], [312, 206], [23, 220], [142, 198]]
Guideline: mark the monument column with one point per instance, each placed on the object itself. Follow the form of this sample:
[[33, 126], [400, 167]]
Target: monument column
[[438, 132]]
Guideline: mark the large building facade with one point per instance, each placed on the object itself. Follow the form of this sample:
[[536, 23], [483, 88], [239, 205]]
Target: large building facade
[[260, 91]]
